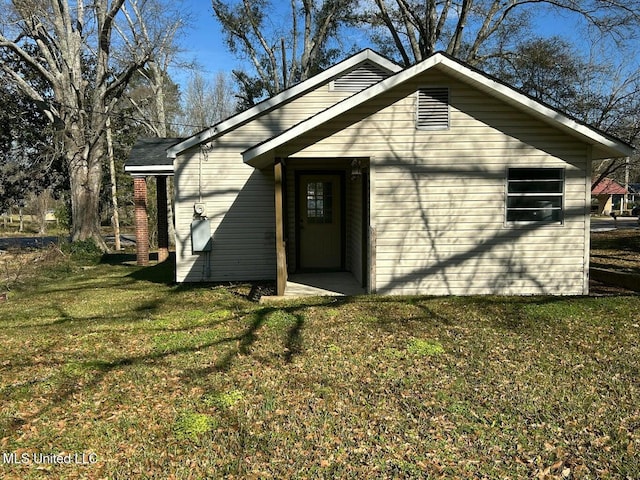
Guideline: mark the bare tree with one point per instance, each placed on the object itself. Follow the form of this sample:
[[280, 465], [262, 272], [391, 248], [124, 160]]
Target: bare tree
[[158, 24], [73, 45], [280, 56], [205, 103], [39, 205], [475, 30]]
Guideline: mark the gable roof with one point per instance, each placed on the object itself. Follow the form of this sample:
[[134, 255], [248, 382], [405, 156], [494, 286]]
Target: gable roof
[[149, 156], [608, 186], [301, 88], [604, 145]]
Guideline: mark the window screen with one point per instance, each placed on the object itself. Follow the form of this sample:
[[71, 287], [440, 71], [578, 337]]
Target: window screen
[[535, 195]]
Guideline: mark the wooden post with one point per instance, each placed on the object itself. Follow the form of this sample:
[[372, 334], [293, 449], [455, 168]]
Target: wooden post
[[142, 222], [373, 223], [373, 240], [163, 222], [281, 255]]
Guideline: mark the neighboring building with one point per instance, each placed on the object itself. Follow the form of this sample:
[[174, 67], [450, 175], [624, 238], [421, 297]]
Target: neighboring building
[[436, 179], [608, 192]]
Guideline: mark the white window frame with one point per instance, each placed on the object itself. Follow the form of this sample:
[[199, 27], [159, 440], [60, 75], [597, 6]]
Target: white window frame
[[541, 194], [448, 105]]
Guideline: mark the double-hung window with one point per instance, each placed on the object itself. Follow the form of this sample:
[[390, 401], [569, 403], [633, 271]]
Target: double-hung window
[[535, 195]]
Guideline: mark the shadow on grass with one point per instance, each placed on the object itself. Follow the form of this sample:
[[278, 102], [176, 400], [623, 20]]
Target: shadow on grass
[[161, 273], [239, 345], [165, 273]]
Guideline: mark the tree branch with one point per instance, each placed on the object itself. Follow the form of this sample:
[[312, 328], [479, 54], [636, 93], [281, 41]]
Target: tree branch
[[386, 19]]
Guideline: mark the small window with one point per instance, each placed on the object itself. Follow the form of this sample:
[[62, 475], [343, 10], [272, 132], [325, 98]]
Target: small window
[[535, 195], [319, 202], [433, 108]]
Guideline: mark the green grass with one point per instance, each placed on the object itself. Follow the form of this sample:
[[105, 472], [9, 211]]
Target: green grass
[[165, 381]]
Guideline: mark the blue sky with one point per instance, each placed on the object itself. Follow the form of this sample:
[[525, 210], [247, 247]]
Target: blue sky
[[204, 43]]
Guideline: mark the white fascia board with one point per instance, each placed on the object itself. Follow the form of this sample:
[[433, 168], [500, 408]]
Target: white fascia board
[[149, 169], [283, 97], [521, 101], [537, 109]]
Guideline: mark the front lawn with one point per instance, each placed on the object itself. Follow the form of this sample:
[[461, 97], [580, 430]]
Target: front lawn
[[124, 376]]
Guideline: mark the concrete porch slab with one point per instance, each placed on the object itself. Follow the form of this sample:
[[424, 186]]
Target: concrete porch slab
[[319, 285]]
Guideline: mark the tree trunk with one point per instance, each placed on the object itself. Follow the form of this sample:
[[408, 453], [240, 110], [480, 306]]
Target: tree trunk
[[114, 187], [85, 178], [41, 208]]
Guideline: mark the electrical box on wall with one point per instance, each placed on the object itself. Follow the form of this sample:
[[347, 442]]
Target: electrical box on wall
[[201, 235]]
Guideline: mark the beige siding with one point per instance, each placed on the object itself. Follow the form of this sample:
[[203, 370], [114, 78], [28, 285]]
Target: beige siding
[[239, 200], [439, 198], [239, 203], [438, 205]]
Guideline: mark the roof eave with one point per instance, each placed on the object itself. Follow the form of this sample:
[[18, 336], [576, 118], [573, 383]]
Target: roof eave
[[609, 146], [146, 170], [282, 97], [604, 146], [601, 151], [261, 161]]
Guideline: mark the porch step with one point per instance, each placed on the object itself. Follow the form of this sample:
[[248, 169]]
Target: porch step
[[319, 285]]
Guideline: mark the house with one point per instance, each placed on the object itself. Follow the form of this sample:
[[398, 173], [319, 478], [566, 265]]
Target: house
[[435, 179], [605, 192]]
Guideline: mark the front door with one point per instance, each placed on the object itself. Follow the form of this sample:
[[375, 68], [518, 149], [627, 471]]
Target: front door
[[320, 222]]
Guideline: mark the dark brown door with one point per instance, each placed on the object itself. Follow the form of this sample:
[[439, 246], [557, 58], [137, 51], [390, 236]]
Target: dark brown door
[[320, 222]]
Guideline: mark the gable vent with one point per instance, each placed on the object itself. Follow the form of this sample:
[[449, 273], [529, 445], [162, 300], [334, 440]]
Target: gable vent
[[360, 78], [433, 108]]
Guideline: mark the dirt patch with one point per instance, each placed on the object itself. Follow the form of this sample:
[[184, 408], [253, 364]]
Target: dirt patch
[[19, 265], [616, 250], [598, 289]]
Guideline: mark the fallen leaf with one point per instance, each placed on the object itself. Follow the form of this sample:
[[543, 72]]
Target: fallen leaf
[[557, 465]]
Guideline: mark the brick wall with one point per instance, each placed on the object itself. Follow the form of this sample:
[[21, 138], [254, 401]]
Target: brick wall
[[142, 221]]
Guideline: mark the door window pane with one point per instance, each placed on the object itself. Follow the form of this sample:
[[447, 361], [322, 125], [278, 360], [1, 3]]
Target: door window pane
[[319, 202]]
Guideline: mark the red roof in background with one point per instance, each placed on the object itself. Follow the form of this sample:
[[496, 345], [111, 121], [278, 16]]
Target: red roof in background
[[608, 186]]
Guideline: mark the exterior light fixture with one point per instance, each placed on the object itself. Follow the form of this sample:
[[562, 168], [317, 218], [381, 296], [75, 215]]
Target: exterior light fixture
[[356, 168]]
